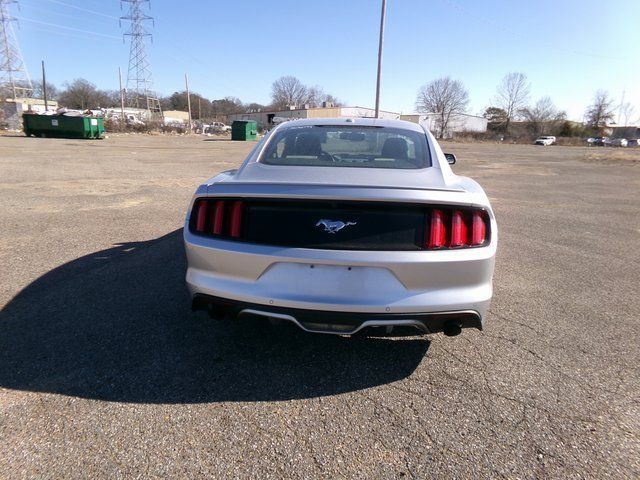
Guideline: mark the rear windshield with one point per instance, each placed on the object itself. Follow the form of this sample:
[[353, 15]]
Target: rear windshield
[[348, 146]]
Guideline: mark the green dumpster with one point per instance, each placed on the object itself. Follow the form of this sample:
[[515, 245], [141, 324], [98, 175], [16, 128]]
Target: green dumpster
[[62, 126], [244, 130]]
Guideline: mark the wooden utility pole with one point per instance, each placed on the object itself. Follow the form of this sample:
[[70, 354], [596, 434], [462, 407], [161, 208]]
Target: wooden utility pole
[[186, 83], [44, 88], [121, 97], [382, 15]]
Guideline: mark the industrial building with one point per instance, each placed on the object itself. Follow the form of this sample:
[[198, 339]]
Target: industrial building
[[175, 117], [460, 123], [268, 118], [11, 110]]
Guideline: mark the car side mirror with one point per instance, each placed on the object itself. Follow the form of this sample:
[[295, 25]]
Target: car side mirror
[[451, 158]]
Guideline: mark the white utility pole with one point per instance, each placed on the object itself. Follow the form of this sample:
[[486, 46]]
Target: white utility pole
[[186, 82]]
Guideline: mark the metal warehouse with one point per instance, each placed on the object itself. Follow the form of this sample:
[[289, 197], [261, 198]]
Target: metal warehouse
[[269, 118], [458, 123]]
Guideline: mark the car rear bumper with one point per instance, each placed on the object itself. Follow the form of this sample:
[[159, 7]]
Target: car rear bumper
[[341, 323], [388, 286]]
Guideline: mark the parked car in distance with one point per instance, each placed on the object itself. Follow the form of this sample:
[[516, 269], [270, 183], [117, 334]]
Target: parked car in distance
[[619, 142], [343, 226], [601, 142], [221, 127], [215, 127], [546, 140], [634, 142]]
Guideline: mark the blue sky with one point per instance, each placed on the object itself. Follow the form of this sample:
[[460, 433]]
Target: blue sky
[[567, 48]]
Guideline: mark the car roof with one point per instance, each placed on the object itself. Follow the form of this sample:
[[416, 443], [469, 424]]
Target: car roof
[[352, 121]]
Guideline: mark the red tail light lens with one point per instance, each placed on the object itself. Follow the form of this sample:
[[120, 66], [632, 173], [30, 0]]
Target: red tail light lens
[[478, 229], [437, 230], [458, 229], [218, 218], [201, 216], [455, 228], [236, 219]]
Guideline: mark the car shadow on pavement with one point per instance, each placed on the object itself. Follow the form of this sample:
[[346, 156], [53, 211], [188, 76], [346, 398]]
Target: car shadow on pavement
[[116, 325]]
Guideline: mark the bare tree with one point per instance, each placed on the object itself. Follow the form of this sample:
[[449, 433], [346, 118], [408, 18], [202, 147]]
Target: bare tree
[[287, 91], [600, 111], [317, 97], [330, 99], [543, 115], [38, 92], [201, 106], [512, 95], [83, 94], [445, 97], [627, 112], [223, 107]]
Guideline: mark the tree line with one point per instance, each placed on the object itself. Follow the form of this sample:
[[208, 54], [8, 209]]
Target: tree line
[[448, 98], [444, 97], [286, 91]]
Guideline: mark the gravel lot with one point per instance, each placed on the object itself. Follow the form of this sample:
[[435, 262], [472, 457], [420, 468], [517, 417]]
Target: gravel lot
[[105, 372]]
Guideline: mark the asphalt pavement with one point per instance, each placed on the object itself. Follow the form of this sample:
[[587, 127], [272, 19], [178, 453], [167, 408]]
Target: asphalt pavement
[[106, 373]]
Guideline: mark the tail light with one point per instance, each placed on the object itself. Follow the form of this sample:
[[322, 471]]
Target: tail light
[[236, 219], [201, 215], [437, 230], [221, 218], [217, 221], [453, 228], [458, 229], [478, 228]]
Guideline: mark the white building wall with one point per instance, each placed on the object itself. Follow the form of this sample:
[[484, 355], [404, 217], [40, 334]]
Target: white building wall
[[363, 112], [458, 124], [12, 110]]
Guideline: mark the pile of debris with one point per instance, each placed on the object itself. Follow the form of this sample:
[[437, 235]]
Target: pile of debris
[[68, 112]]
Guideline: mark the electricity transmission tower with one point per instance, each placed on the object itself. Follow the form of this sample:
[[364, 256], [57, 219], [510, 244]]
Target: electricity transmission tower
[[139, 92], [14, 79]]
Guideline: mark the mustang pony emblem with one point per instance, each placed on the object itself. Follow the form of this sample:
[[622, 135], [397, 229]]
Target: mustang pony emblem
[[333, 226]]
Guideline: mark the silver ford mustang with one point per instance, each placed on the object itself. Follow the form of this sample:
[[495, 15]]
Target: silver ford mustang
[[341, 226]]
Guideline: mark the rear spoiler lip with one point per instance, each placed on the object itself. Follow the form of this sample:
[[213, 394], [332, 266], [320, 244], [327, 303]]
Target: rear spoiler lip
[[235, 186], [344, 193]]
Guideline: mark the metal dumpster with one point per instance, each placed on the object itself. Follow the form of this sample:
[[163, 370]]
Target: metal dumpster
[[62, 126], [244, 130]]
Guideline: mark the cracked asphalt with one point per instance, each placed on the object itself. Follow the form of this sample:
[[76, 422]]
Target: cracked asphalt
[[105, 373]]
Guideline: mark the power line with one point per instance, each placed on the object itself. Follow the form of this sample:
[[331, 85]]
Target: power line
[[44, 13], [88, 32], [83, 9]]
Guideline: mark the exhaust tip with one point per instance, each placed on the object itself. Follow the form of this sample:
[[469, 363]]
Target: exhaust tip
[[216, 312], [452, 328]]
